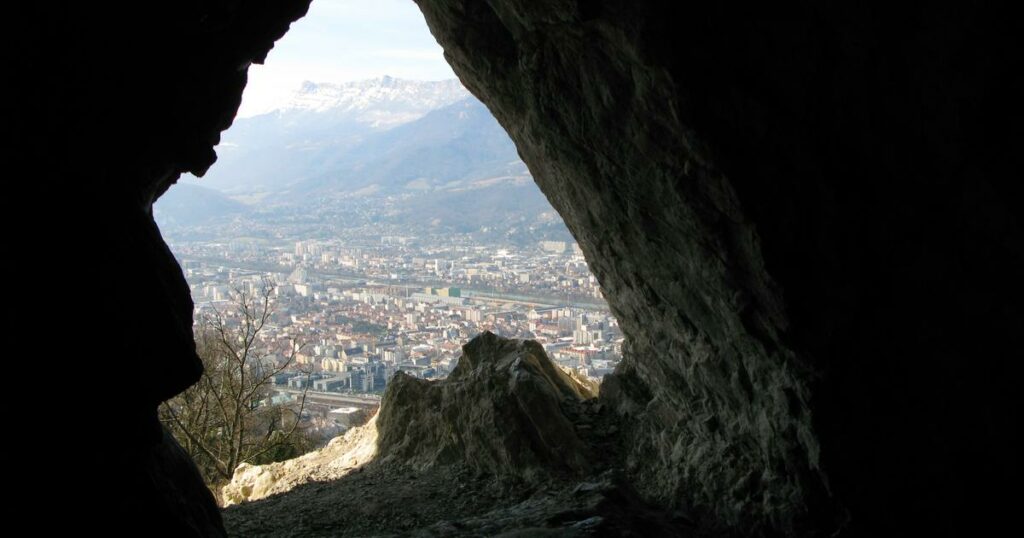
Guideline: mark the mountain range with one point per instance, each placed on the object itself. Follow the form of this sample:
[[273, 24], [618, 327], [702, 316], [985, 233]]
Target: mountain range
[[431, 148]]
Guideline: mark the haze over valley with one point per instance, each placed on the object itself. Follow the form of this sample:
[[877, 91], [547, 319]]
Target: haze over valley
[[379, 152]]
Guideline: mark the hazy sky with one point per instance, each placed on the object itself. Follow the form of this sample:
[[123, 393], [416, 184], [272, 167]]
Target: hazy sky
[[345, 40]]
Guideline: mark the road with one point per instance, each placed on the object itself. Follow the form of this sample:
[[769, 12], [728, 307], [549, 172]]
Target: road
[[530, 300], [333, 397]]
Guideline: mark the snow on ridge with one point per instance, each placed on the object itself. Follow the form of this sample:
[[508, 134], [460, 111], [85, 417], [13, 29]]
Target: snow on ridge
[[381, 102]]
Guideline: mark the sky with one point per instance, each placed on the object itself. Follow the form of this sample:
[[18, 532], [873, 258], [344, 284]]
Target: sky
[[342, 41]]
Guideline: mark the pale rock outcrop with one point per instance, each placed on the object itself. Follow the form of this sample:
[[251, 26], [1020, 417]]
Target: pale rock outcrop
[[340, 457], [504, 411], [589, 386]]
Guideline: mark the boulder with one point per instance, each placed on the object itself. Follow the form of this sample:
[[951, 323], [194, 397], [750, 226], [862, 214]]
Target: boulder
[[501, 411]]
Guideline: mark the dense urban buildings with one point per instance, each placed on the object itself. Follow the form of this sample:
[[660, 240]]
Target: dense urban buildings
[[363, 309], [391, 221]]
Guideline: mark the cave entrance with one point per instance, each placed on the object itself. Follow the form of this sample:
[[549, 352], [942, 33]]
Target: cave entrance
[[376, 217]]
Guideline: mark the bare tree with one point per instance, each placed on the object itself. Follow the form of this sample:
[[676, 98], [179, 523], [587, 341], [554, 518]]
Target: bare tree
[[228, 417]]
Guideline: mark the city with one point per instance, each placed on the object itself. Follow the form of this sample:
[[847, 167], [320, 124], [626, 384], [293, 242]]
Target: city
[[360, 230], [364, 307]]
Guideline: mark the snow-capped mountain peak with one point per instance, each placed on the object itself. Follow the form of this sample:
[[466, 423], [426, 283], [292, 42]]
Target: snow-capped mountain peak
[[381, 102]]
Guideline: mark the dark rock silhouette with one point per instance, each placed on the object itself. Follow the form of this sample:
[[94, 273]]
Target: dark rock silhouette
[[805, 218]]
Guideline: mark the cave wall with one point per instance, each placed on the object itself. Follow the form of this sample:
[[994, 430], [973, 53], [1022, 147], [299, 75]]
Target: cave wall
[[803, 217], [120, 98]]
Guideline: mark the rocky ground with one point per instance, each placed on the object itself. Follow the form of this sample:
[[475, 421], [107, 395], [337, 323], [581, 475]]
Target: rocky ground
[[508, 445], [381, 500]]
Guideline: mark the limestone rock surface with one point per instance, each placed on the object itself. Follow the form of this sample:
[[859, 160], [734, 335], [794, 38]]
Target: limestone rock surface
[[805, 217], [500, 411], [504, 411], [341, 456]]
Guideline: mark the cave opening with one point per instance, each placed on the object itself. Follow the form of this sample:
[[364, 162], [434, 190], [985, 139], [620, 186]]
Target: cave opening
[[366, 216]]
